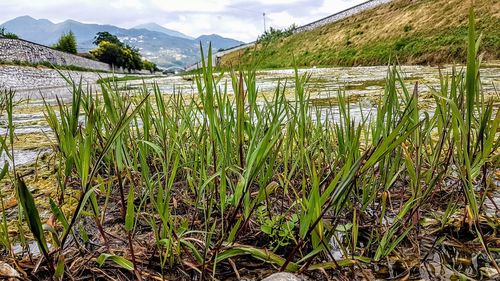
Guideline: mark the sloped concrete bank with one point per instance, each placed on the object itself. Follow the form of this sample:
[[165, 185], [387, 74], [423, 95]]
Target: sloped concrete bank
[[12, 50], [34, 82]]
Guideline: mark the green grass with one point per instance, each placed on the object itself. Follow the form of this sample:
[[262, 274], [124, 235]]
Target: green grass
[[409, 33], [173, 186]]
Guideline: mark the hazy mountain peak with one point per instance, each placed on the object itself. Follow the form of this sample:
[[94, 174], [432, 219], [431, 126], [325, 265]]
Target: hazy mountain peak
[[28, 20], [151, 26], [24, 18]]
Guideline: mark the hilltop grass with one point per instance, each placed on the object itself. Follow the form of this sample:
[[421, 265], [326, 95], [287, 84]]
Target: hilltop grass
[[409, 32], [155, 187]]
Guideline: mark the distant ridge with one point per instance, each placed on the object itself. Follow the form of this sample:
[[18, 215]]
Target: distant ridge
[[166, 50]]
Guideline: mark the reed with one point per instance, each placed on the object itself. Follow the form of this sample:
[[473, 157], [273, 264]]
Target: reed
[[213, 178]]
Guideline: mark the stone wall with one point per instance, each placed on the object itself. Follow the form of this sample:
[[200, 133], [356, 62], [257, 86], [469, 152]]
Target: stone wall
[[24, 51], [342, 15]]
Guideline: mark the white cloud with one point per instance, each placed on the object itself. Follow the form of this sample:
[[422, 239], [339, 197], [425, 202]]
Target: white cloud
[[228, 26], [190, 5], [276, 2], [127, 4], [332, 6], [285, 19]]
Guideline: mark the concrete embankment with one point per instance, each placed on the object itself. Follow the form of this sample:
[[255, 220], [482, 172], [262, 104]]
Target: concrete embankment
[[12, 50], [33, 82]]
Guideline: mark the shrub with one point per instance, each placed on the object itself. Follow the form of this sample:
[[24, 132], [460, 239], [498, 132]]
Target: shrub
[[276, 33], [66, 43], [8, 35], [118, 55], [149, 66], [106, 36]]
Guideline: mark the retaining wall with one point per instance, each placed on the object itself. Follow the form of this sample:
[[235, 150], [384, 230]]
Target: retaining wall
[[24, 51]]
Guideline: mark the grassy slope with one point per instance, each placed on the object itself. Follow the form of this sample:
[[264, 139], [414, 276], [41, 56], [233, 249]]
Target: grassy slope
[[414, 31]]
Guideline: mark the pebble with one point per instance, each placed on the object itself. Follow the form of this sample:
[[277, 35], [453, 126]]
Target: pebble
[[6, 271], [283, 276]]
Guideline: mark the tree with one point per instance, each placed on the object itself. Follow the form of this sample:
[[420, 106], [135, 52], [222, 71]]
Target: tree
[[110, 50], [133, 59], [66, 43], [116, 55], [108, 37], [109, 53], [149, 66]]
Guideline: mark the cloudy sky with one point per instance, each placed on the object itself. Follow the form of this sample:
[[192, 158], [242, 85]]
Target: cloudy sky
[[238, 19]]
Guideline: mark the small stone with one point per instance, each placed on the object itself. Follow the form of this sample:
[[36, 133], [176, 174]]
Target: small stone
[[6, 271], [489, 272], [282, 276]]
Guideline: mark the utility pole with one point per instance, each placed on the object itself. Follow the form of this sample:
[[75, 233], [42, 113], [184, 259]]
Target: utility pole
[[264, 15]]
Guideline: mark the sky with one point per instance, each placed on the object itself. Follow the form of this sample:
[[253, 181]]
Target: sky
[[238, 19]]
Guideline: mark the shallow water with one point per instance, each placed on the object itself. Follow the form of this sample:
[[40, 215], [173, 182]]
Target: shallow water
[[24, 156], [354, 80]]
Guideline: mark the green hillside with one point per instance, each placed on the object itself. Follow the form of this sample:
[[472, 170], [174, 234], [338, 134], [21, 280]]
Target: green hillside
[[411, 31]]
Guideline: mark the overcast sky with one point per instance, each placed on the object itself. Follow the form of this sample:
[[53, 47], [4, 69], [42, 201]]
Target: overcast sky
[[238, 19]]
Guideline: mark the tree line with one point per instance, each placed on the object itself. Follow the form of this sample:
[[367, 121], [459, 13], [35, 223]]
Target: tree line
[[109, 50]]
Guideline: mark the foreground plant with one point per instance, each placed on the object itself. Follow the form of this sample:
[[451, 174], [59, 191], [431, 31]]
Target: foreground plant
[[171, 186]]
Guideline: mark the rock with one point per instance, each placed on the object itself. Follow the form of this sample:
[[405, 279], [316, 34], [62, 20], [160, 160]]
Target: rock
[[6, 271], [283, 276], [489, 272]]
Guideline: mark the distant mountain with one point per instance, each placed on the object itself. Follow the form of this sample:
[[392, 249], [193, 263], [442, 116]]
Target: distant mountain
[[166, 48], [158, 28]]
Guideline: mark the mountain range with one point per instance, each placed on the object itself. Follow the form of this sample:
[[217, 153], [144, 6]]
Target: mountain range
[[165, 47]]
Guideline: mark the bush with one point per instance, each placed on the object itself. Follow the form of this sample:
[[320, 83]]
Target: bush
[[108, 37], [8, 35], [116, 53], [276, 33], [109, 53], [66, 43], [149, 66]]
